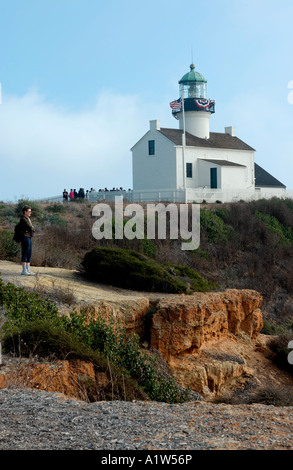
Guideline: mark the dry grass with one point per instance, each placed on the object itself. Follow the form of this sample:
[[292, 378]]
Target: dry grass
[[56, 293]]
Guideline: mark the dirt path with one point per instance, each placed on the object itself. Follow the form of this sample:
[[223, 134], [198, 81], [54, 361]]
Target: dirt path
[[50, 279]]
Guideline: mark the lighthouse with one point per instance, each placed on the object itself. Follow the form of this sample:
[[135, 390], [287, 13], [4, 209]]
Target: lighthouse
[[193, 109], [190, 163]]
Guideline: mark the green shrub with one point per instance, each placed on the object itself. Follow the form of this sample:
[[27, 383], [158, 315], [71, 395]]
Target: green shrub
[[194, 280], [21, 306], [9, 250], [124, 351], [7, 212], [46, 339], [132, 270], [213, 224], [33, 326], [36, 208], [149, 248], [55, 219], [56, 207], [284, 234], [270, 328]]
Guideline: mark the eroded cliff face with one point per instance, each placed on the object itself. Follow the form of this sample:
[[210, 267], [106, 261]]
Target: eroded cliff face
[[205, 339], [183, 324], [198, 336]]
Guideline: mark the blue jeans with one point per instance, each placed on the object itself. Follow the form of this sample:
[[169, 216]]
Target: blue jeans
[[26, 250]]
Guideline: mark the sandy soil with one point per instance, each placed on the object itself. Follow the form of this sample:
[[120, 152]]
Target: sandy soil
[[51, 279]]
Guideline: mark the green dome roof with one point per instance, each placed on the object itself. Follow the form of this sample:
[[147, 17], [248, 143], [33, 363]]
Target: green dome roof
[[192, 76]]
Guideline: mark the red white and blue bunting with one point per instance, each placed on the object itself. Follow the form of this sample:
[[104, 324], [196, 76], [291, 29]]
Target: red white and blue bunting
[[192, 104], [202, 103]]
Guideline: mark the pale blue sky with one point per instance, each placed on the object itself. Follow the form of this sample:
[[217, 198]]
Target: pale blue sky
[[81, 79]]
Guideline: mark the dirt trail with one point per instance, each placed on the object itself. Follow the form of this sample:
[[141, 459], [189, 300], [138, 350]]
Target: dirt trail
[[51, 279]]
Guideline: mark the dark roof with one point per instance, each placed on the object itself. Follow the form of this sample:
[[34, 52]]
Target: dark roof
[[221, 162], [216, 140], [264, 179]]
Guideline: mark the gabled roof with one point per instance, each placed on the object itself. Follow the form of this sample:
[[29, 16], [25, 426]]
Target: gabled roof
[[216, 140], [264, 179]]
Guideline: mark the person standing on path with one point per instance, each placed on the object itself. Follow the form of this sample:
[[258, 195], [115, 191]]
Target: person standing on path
[[27, 230]]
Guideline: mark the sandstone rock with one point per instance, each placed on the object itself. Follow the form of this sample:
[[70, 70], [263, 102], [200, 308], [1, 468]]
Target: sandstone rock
[[208, 376], [129, 314], [182, 325], [61, 376]]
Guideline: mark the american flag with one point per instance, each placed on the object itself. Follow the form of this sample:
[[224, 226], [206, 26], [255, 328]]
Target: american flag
[[176, 104]]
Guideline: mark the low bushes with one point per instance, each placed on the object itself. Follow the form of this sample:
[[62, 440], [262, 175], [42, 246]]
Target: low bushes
[[124, 351], [270, 395], [9, 250], [132, 270], [45, 339], [33, 327], [216, 229]]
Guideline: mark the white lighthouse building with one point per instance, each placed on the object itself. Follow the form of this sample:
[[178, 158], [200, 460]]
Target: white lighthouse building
[[193, 164]]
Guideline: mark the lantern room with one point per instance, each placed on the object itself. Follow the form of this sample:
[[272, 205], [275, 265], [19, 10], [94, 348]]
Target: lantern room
[[193, 85]]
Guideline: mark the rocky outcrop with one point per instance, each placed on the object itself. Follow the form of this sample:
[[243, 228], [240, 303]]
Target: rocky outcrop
[[192, 334], [67, 377], [75, 378], [182, 325], [197, 336], [129, 314]]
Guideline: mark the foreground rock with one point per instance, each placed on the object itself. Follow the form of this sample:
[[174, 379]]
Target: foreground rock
[[31, 420]]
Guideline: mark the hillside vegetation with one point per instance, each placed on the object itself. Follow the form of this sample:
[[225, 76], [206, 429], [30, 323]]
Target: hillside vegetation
[[32, 327], [243, 245]]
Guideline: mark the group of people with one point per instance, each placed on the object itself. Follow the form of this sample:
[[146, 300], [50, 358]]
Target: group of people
[[73, 194], [114, 189], [82, 194]]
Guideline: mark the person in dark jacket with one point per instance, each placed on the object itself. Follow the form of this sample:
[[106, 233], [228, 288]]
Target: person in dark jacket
[[27, 230]]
